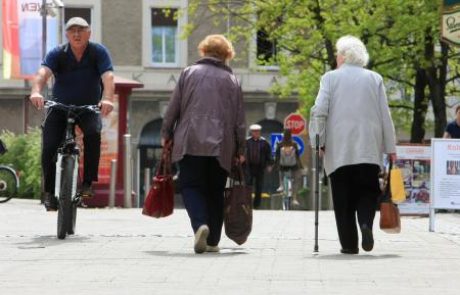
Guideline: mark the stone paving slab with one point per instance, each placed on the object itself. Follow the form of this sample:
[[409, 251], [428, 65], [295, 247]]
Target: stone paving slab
[[118, 251]]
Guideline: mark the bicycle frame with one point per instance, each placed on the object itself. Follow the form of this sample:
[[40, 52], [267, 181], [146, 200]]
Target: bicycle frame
[[69, 147]]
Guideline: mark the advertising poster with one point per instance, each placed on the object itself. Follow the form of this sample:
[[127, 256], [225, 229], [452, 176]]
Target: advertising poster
[[446, 173], [109, 144], [415, 163]]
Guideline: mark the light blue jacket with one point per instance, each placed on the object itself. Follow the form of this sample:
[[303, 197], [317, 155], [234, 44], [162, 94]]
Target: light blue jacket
[[352, 117]]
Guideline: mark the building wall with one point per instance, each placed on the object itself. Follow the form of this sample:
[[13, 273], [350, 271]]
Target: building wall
[[122, 31]]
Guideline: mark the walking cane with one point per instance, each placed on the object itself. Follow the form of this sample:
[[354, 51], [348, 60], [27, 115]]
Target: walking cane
[[316, 249]]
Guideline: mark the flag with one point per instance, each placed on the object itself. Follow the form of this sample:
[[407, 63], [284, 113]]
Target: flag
[[22, 37]]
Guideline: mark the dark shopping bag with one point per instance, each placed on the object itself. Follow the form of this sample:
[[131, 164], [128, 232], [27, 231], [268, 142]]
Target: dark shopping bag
[[238, 208], [390, 220], [160, 199]]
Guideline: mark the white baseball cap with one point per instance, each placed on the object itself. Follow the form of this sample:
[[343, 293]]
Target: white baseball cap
[[255, 127], [76, 21]]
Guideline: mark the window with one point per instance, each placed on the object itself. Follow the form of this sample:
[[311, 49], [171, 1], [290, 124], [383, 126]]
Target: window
[[266, 49], [70, 12], [164, 37]]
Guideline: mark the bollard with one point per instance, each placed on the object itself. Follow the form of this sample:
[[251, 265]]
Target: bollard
[[128, 172], [147, 181], [113, 181]]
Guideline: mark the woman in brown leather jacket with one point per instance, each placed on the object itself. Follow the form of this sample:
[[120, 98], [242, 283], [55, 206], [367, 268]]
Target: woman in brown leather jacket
[[205, 120]]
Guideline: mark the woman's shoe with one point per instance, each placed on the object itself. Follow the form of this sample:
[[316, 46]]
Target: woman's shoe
[[349, 251], [201, 237], [212, 249], [367, 238]]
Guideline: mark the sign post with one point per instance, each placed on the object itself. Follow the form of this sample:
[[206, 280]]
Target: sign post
[[445, 176]]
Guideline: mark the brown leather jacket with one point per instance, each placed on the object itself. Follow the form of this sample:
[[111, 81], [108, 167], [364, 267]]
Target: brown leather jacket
[[205, 115]]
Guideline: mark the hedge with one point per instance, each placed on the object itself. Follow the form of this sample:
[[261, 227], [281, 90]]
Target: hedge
[[24, 156]]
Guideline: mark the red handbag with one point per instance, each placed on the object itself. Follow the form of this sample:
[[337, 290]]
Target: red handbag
[[160, 199]]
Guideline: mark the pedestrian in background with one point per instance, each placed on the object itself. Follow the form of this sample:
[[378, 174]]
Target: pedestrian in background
[[287, 159], [352, 117], [205, 120], [453, 128], [258, 160]]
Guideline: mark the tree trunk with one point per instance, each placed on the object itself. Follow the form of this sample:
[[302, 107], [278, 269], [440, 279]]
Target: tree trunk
[[436, 74], [420, 107], [437, 79]]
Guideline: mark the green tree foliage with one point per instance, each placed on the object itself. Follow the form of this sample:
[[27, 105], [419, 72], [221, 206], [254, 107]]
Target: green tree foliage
[[402, 38], [24, 156]]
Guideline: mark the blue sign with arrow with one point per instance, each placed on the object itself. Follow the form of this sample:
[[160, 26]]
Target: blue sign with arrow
[[275, 138]]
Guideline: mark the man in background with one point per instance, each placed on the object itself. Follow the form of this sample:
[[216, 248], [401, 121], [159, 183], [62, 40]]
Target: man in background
[[453, 128], [258, 159]]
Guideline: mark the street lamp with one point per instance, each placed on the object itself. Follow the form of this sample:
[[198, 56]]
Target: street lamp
[[51, 11]]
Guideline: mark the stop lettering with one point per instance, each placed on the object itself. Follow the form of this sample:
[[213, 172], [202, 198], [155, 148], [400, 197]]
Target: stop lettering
[[295, 122]]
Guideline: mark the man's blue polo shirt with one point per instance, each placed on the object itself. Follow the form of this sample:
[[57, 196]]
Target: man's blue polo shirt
[[453, 129], [80, 83]]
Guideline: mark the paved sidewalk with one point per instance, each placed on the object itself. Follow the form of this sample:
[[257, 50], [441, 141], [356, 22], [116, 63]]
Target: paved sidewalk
[[122, 252]]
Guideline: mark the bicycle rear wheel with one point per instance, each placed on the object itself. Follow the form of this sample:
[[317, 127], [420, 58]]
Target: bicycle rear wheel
[[64, 223], [8, 184]]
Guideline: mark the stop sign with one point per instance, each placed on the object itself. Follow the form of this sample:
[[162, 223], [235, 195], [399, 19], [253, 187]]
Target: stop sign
[[295, 122]]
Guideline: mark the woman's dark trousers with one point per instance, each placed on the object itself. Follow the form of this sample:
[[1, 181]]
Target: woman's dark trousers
[[202, 183], [355, 191]]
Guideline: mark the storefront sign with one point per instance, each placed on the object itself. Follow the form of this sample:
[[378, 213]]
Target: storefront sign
[[450, 21]]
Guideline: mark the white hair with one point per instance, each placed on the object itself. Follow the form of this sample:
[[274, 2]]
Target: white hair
[[353, 50]]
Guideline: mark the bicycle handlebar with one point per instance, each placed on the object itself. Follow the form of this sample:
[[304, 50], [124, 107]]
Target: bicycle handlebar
[[74, 108]]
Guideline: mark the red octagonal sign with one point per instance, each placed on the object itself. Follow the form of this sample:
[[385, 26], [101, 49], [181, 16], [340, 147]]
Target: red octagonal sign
[[295, 122]]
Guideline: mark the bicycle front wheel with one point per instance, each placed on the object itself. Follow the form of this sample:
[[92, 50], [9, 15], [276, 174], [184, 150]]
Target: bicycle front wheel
[[8, 184], [64, 224]]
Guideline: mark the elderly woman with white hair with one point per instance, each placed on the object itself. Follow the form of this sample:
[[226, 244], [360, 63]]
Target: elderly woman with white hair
[[352, 117]]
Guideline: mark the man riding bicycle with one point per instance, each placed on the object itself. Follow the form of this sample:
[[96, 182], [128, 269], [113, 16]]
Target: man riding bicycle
[[79, 67]]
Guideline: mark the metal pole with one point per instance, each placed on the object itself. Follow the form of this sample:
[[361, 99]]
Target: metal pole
[[128, 173], [44, 12], [147, 181], [113, 181], [317, 188]]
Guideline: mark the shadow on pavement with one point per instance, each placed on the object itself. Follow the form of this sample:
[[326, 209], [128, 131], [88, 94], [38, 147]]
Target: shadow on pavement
[[49, 241], [223, 253], [356, 257]]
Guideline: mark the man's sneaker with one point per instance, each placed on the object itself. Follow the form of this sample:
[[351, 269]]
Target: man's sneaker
[[367, 238], [86, 191], [212, 249], [201, 237], [280, 189], [51, 203]]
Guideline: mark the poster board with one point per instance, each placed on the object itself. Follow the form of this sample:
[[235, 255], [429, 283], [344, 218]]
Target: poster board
[[445, 176], [446, 173], [415, 163]]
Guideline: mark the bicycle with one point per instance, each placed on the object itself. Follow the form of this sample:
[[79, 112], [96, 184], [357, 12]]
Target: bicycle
[[9, 180], [9, 183], [67, 165]]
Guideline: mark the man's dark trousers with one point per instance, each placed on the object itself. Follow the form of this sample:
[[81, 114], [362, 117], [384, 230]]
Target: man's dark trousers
[[53, 135], [202, 183], [355, 191], [256, 180]]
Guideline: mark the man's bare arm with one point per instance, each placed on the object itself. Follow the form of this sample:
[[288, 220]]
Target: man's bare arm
[[38, 83], [109, 91]]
